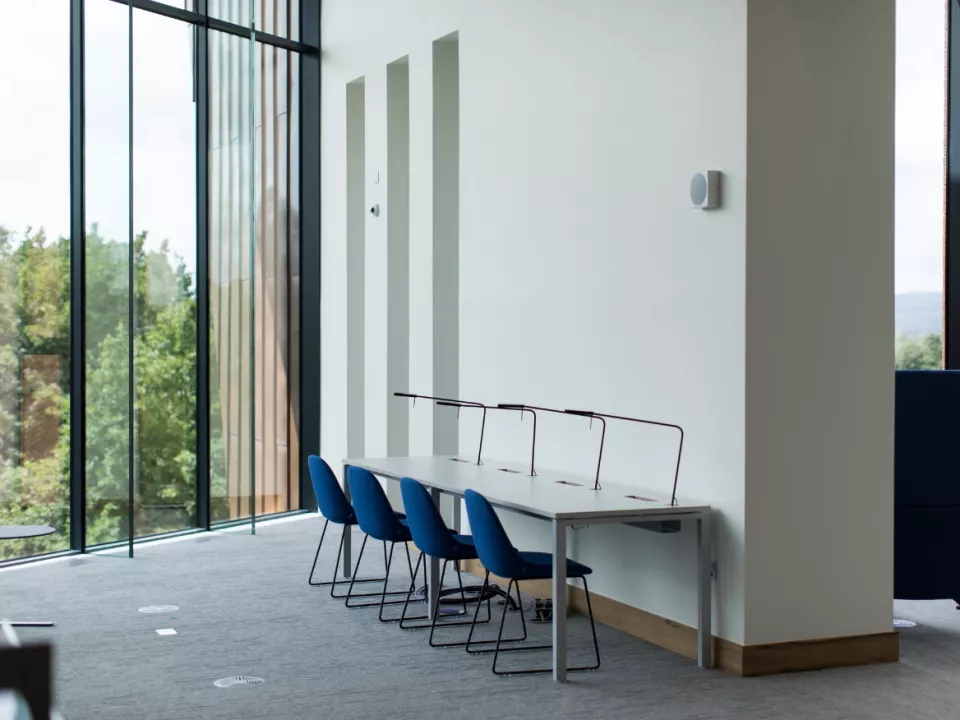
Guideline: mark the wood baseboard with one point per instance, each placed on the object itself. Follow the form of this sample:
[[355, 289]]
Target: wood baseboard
[[740, 660], [820, 654]]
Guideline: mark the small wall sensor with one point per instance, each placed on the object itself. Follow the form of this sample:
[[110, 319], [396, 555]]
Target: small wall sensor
[[705, 190], [375, 211]]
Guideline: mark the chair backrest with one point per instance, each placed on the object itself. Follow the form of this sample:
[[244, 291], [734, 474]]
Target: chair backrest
[[374, 513], [429, 531], [332, 502], [494, 548]]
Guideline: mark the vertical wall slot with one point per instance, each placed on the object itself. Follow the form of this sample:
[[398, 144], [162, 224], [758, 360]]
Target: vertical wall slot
[[356, 239], [446, 236]]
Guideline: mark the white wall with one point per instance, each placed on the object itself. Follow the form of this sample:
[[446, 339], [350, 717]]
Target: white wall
[[820, 227], [585, 278]]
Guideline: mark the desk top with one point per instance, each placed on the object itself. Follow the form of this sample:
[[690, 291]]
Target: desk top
[[548, 495], [16, 532]]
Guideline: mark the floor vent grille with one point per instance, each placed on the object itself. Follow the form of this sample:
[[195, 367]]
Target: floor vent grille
[[155, 609], [238, 680]]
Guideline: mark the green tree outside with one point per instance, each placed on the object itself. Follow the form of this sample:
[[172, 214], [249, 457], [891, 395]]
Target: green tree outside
[[35, 337], [924, 353]]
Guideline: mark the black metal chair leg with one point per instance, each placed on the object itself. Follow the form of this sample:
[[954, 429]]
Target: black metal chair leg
[[534, 671], [463, 597], [468, 645], [353, 578], [334, 582], [409, 565], [376, 603], [315, 557], [503, 617], [593, 626], [476, 613], [383, 596], [383, 600], [406, 602], [433, 623]]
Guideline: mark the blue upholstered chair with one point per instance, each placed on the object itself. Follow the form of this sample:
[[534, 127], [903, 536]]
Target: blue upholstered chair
[[500, 557], [926, 485], [335, 508], [434, 539], [379, 521]]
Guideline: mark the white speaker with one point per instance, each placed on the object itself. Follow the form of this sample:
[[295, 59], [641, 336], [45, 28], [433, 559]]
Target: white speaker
[[705, 190]]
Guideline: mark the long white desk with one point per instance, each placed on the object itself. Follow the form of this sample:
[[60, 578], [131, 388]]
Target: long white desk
[[549, 496]]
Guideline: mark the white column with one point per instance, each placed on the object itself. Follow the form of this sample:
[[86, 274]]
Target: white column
[[820, 319]]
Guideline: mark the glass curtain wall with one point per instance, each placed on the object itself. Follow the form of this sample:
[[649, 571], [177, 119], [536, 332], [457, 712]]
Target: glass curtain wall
[[108, 259], [140, 252], [232, 281], [254, 273], [165, 266], [35, 275], [151, 121]]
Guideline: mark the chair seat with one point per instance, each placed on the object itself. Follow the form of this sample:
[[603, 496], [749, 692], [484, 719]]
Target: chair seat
[[352, 519], [464, 550], [539, 566]]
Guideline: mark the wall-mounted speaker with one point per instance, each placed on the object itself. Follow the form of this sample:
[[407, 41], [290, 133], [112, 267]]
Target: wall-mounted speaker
[[705, 190]]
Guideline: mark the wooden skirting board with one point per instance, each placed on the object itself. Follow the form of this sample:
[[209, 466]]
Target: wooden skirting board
[[740, 660]]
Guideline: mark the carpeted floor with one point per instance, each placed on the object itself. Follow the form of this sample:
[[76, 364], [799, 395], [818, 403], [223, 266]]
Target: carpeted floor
[[245, 609]]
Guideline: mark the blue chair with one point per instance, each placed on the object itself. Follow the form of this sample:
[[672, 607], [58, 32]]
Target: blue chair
[[379, 521], [335, 508], [434, 539], [500, 557]]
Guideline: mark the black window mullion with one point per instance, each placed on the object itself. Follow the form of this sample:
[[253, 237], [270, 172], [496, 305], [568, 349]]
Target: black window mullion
[[199, 17], [309, 248], [78, 487], [951, 271], [203, 271]]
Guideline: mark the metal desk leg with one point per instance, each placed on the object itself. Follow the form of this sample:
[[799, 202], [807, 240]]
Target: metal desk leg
[[433, 570], [457, 524], [704, 591], [559, 601], [347, 560]]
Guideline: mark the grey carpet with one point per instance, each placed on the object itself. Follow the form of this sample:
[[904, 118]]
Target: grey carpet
[[246, 609]]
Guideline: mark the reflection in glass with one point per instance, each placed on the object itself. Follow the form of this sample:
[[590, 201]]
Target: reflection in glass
[[239, 12], [254, 302], [35, 277], [276, 17], [231, 235], [164, 220], [107, 260], [140, 271]]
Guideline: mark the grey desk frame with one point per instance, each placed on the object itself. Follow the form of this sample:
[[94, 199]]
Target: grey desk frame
[[440, 475]]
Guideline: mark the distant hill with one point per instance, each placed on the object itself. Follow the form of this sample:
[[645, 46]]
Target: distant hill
[[919, 313]]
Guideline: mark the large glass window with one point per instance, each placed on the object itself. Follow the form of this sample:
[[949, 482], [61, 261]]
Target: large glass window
[[165, 254], [277, 17], [231, 281], [35, 274], [920, 163], [254, 268], [175, 158], [108, 265]]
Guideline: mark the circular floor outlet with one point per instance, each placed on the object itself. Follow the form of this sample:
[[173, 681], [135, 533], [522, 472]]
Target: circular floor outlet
[[898, 623], [154, 609], [238, 680]]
